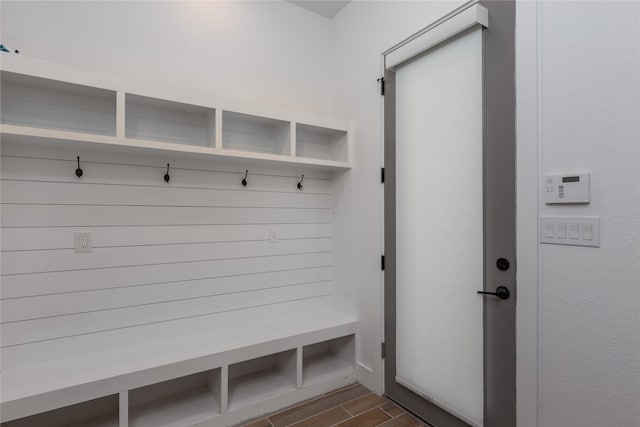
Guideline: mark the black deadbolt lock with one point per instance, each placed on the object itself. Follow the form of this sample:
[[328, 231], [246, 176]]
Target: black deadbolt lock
[[502, 264]]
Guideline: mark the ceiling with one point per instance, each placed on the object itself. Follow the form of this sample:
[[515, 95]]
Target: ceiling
[[326, 8]]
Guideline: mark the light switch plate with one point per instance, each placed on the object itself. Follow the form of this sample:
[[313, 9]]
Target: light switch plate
[[573, 231]]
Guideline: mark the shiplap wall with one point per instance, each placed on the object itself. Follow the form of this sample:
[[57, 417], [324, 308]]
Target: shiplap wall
[[167, 259]]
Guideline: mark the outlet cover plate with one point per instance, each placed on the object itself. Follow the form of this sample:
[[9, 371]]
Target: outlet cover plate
[[82, 241]]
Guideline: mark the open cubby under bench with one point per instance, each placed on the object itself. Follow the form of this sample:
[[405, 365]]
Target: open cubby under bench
[[219, 378]]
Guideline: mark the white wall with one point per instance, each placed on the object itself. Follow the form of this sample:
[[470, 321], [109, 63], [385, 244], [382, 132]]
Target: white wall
[[579, 110], [272, 52], [589, 98], [191, 255]]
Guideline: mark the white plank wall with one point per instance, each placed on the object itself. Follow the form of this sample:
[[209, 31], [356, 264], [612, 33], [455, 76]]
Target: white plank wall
[[167, 259]]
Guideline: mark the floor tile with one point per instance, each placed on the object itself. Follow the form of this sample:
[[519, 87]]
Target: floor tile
[[391, 409], [350, 406], [341, 389], [324, 419], [370, 418], [404, 420], [314, 407], [260, 423], [363, 403]]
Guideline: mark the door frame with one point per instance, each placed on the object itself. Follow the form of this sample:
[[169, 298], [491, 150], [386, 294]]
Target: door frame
[[499, 204]]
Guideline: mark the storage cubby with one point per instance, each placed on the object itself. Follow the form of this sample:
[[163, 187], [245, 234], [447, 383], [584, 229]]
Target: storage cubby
[[316, 142], [244, 132], [45, 110], [328, 359], [167, 121], [179, 402], [50, 104], [101, 412], [259, 379]]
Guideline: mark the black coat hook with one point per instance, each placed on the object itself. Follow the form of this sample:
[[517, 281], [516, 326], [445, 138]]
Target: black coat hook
[[244, 180], [79, 171], [300, 182], [167, 178]]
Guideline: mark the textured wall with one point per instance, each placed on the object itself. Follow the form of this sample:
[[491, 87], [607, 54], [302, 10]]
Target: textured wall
[[590, 297]]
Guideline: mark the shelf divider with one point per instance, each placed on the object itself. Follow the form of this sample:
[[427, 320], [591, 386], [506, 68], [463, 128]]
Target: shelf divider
[[299, 361], [120, 114], [217, 143], [294, 142], [224, 387], [124, 408]]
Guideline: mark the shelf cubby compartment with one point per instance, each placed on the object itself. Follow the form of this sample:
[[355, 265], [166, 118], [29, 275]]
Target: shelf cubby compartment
[[160, 120], [256, 380], [179, 402], [51, 104], [244, 132], [328, 359], [314, 142], [102, 412]]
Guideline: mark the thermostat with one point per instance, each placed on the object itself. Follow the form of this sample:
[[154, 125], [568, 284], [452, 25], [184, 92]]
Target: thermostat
[[569, 188]]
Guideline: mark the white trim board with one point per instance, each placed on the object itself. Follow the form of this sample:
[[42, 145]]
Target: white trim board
[[527, 179]]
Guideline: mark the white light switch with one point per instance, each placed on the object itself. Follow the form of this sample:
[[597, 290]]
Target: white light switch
[[587, 231], [574, 231], [561, 229], [549, 230]]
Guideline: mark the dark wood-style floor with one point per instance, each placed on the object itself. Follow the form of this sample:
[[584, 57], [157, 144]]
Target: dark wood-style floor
[[352, 406]]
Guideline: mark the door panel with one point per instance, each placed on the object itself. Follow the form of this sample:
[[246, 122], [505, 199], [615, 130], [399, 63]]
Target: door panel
[[449, 215], [439, 226]]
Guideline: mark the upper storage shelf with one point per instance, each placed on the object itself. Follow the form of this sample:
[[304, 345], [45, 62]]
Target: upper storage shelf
[[50, 104], [159, 120], [245, 132], [38, 105], [314, 142]]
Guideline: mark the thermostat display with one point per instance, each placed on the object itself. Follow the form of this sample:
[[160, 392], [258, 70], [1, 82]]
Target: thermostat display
[[566, 188]]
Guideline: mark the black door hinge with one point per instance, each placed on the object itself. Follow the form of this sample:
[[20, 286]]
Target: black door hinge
[[381, 80], [382, 175], [382, 262], [383, 350]]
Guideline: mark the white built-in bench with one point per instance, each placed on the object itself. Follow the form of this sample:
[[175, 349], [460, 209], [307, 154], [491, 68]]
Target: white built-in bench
[[182, 313], [218, 378]]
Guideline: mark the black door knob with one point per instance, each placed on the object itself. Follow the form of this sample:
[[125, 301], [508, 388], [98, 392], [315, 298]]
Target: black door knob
[[501, 292]]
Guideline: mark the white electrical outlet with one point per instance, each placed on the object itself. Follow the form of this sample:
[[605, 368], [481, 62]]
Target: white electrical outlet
[[83, 241], [273, 236]]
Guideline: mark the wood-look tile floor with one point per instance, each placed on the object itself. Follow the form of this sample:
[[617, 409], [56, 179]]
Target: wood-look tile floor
[[352, 406]]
